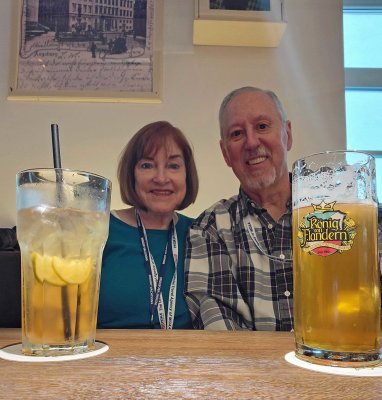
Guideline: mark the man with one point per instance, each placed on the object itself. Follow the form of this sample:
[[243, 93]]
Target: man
[[239, 256]]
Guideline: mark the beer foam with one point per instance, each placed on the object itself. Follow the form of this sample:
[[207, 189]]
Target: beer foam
[[346, 184]]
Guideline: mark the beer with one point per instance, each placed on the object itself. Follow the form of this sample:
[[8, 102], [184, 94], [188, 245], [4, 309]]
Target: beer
[[61, 259], [336, 281]]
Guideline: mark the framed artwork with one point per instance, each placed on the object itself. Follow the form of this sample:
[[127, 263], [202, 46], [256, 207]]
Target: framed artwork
[[261, 10], [88, 50]]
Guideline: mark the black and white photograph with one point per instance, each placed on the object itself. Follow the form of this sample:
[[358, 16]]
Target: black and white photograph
[[86, 47], [248, 5], [251, 10]]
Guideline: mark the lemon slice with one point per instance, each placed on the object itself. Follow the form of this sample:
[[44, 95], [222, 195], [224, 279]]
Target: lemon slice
[[43, 269], [76, 270]]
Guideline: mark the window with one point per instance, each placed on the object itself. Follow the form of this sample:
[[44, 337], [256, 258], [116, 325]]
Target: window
[[362, 26]]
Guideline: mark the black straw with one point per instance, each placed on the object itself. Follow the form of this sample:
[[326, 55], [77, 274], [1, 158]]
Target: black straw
[[55, 146], [57, 165]]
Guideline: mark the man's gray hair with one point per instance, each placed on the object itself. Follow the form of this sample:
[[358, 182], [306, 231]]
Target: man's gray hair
[[247, 89]]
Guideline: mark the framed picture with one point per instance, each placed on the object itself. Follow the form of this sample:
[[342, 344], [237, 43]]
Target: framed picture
[[254, 10], [88, 50]]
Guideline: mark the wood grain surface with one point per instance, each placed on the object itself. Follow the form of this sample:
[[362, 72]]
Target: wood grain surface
[[154, 364]]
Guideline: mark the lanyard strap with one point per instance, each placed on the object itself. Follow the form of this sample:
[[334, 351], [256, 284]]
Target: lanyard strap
[[252, 233], [156, 278]]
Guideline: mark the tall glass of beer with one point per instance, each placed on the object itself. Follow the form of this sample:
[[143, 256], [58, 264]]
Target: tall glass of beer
[[62, 227], [335, 259]]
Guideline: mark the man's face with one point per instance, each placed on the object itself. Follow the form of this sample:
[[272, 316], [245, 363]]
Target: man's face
[[254, 141]]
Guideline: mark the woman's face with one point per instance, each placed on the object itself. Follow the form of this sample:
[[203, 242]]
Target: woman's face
[[160, 179]]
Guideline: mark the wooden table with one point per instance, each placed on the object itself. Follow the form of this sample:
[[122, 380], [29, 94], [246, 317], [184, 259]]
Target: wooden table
[[153, 364]]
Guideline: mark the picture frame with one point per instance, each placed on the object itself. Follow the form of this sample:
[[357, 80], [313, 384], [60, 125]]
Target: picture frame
[[88, 50], [269, 10]]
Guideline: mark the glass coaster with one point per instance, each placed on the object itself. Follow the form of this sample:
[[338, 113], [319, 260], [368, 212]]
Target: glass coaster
[[365, 371], [13, 353]]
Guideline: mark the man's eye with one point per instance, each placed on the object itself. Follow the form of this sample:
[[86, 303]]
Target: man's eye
[[262, 126], [236, 134]]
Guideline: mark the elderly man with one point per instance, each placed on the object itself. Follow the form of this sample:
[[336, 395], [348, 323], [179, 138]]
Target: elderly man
[[239, 255]]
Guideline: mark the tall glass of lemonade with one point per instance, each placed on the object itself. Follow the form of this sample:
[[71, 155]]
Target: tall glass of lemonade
[[62, 227], [335, 259]]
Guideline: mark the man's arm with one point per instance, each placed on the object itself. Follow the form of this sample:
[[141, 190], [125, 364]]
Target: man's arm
[[211, 290]]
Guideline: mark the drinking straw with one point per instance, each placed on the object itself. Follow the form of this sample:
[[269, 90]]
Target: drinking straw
[[55, 146], [59, 180]]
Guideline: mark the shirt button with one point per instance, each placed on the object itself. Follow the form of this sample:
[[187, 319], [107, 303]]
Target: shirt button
[[282, 256], [270, 226], [287, 293]]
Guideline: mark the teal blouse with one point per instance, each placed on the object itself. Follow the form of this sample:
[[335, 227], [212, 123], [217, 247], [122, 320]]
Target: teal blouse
[[124, 300]]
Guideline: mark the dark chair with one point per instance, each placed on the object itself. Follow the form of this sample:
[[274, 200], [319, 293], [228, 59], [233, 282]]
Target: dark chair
[[10, 289]]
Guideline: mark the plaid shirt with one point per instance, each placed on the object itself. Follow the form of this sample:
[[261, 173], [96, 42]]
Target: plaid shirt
[[230, 283]]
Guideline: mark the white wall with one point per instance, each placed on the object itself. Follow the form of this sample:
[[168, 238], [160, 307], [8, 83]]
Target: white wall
[[306, 71]]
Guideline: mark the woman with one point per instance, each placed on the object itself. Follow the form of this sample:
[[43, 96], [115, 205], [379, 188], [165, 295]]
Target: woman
[[143, 260]]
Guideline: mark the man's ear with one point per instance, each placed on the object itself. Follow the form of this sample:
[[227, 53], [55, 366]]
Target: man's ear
[[225, 153], [288, 129]]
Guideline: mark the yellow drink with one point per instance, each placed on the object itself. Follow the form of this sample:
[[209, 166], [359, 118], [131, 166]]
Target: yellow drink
[[336, 282], [61, 259]]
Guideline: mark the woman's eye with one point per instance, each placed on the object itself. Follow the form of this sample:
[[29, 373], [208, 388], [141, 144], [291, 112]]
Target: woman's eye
[[174, 166], [146, 165]]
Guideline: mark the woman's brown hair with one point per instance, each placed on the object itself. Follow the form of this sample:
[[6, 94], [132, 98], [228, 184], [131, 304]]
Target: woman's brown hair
[[146, 142]]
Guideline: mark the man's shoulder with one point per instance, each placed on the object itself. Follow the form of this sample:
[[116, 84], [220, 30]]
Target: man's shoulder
[[221, 209], [183, 220]]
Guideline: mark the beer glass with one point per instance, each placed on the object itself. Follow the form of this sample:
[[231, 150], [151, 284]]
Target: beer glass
[[62, 227], [335, 259]]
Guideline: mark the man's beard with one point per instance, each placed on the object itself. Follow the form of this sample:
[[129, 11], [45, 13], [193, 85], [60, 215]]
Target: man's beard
[[261, 181]]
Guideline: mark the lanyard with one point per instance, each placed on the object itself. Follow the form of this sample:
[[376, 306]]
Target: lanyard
[[251, 230], [156, 278]]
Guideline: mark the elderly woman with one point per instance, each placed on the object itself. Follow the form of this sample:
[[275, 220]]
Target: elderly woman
[[142, 276]]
